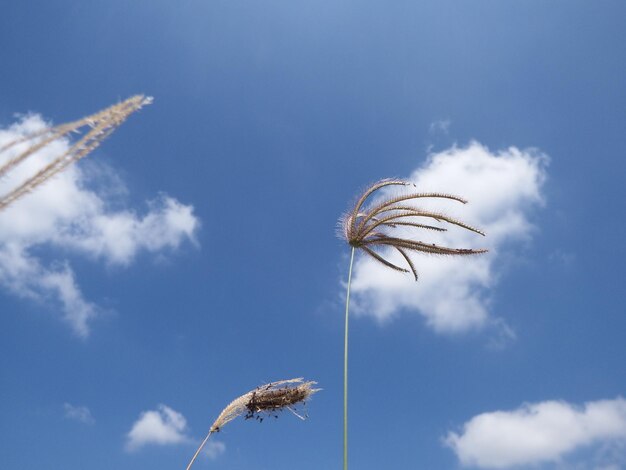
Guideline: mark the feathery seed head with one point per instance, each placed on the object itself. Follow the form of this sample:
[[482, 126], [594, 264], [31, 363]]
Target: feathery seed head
[[370, 228], [100, 126], [268, 399]]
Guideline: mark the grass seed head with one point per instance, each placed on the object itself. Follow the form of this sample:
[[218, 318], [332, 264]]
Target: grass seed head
[[264, 400], [98, 127], [267, 400], [371, 228]]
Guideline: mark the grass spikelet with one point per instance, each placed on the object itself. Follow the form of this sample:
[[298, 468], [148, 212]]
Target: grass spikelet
[[100, 125], [265, 400]]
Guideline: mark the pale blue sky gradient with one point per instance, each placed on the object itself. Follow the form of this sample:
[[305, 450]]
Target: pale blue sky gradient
[[268, 119]]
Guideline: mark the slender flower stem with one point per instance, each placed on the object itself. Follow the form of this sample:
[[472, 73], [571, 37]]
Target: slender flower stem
[[195, 456], [345, 370]]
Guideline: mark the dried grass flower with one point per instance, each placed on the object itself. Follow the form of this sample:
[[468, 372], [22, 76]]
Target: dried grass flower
[[100, 125], [266, 400], [371, 228]]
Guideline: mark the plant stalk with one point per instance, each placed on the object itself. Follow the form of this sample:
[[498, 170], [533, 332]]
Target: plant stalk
[[195, 456], [345, 370]]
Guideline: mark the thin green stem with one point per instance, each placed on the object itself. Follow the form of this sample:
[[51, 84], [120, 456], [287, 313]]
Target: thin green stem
[[195, 456], [345, 370]]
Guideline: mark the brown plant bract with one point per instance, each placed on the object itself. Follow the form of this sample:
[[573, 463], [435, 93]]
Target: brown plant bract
[[102, 124], [269, 398], [369, 229]]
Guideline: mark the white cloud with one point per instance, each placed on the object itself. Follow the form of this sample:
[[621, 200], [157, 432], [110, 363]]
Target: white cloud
[[162, 426], [165, 426], [66, 214], [453, 293], [537, 433], [78, 413]]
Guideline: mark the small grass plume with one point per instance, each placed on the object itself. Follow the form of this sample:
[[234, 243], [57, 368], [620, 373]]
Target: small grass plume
[[370, 228], [101, 125], [265, 400]]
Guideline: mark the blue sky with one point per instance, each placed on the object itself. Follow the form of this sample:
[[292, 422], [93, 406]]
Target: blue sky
[[194, 255]]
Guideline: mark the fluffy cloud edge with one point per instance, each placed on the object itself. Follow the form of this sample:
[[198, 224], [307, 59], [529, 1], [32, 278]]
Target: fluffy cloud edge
[[454, 294], [66, 214], [163, 426], [537, 433]]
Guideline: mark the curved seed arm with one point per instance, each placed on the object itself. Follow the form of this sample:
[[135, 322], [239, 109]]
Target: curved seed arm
[[412, 224], [379, 258], [408, 261], [374, 187], [411, 212], [383, 206]]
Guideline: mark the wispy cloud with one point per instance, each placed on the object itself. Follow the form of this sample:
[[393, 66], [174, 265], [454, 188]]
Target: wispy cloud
[[502, 335], [65, 214], [538, 433], [454, 294], [78, 413], [162, 426], [441, 126], [213, 449]]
